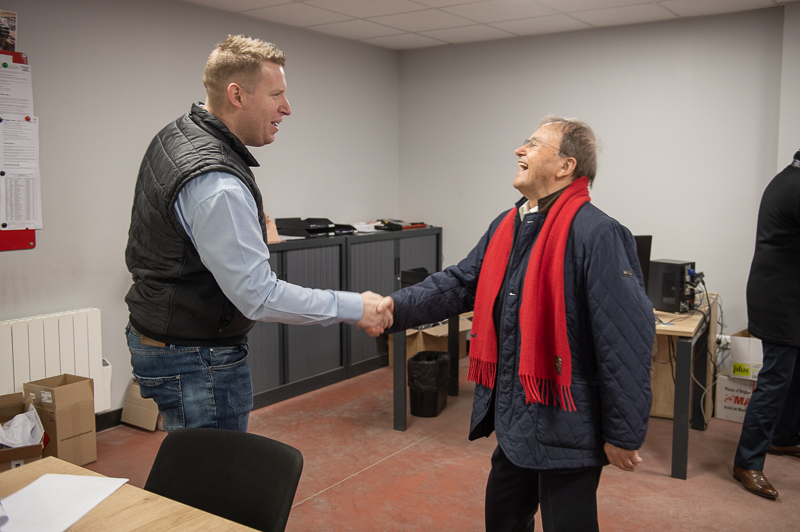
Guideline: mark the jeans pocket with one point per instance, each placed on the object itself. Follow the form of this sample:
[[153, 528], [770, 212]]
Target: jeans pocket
[[167, 392], [227, 357]]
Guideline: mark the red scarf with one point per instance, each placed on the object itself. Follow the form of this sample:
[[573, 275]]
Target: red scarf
[[545, 366]]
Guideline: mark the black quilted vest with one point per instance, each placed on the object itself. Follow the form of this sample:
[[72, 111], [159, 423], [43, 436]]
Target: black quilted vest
[[174, 298]]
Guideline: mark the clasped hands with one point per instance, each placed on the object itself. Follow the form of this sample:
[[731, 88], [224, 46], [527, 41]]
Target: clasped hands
[[378, 313]]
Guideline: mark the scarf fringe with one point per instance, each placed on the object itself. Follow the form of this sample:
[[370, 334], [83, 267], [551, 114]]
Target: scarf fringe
[[543, 391], [537, 391], [482, 372]]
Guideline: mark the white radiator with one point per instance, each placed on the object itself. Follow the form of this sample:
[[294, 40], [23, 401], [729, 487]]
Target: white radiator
[[45, 346]]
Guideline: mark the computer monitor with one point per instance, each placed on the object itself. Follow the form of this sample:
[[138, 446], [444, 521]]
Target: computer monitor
[[643, 244]]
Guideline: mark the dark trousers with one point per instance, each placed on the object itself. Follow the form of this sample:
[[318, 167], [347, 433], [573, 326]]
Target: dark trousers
[[773, 414], [568, 497]]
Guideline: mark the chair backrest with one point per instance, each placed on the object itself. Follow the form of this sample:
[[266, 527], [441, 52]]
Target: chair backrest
[[243, 477]]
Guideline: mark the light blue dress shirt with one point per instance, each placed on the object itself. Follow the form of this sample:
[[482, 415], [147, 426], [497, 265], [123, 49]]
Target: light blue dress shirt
[[220, 215]]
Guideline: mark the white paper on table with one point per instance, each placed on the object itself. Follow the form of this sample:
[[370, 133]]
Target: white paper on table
[[365, 227], [53, 503]]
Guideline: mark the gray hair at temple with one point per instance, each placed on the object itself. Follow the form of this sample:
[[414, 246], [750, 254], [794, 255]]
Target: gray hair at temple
[[577, 141]]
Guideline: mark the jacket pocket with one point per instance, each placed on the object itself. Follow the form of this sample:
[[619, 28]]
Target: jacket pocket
[[572, 430]]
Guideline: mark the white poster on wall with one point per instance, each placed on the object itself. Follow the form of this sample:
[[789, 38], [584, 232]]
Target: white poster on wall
[[20, 184]]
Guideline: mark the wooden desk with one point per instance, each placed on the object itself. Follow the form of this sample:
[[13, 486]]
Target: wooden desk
[[694, 333], [127, 509]]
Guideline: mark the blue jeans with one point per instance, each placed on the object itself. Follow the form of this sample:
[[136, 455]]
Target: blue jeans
[[194, 386]]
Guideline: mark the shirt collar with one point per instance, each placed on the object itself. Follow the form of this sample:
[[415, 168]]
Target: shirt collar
[[542, 206]]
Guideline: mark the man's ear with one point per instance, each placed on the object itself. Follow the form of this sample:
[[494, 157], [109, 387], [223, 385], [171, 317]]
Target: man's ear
[[568, 165], [235, 94]]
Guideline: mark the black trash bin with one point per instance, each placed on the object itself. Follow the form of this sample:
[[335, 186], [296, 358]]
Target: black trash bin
[[428, 375]]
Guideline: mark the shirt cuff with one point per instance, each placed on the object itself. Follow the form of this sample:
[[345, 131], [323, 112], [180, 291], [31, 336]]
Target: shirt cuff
[[350, 307]]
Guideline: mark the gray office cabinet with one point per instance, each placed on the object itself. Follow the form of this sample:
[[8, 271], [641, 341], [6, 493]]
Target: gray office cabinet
[[313, 349], [289, 360], [265, 356], [372, 267]]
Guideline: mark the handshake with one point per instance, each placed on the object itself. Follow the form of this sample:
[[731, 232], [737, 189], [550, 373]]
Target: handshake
[[378, 313]]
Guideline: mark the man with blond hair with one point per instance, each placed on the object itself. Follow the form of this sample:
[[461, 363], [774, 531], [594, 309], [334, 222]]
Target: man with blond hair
[[561, 337], [197, 248]]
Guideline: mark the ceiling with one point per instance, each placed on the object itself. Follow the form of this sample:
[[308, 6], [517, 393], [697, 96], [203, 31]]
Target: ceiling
[[407, 24]]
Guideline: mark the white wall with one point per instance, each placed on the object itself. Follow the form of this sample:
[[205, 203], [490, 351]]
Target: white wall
[[687, 113], [789, 130], [693, 114], [108, 75]]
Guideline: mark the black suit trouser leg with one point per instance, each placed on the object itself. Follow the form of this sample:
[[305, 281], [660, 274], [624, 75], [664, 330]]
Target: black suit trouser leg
[[567, 497], [773, 414]]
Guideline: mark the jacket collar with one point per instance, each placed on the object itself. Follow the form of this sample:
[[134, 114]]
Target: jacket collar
[[216, 127]]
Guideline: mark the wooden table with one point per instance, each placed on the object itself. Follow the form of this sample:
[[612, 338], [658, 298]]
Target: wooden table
[[128, 508]]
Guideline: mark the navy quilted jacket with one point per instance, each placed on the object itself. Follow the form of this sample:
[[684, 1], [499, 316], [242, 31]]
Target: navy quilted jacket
[[610, 327]]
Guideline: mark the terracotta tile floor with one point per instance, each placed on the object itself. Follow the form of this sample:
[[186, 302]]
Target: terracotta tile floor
[[361, 475]]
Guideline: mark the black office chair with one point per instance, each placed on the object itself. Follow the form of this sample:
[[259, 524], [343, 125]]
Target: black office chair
[[243, 477]]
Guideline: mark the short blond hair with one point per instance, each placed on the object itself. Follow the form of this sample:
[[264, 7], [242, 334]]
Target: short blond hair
[[238, 59]]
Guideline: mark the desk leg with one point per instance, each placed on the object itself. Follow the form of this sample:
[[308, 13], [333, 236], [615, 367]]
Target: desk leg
[[700, 363], [680, 419], [399, 384], [452, 350]]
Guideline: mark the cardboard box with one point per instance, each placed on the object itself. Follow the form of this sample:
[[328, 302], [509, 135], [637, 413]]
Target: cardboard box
[[65, 405], [732, 398], [432, 339], [10, 457], [138, 411], [746, 356], [107, 369]]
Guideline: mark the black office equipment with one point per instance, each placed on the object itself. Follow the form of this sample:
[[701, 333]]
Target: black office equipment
[[669, 287], [413, 276], [311, 227], [643, 245]]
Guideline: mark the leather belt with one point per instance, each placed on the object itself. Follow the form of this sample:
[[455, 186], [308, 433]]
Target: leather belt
[[148, 341]]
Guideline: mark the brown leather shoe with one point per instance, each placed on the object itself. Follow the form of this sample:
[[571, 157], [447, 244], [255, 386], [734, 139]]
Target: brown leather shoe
[[794, 450], [755, 482]]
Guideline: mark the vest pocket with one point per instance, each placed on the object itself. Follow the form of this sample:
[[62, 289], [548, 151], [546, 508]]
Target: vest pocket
[[229, 312]]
